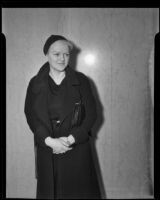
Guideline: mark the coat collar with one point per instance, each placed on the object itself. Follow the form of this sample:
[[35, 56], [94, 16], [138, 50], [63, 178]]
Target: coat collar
[[41, 78]]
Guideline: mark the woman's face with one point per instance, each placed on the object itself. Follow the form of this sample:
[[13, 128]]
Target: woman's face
[[58, 55]]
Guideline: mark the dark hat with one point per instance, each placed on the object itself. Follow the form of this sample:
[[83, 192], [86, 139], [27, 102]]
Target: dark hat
[[51, 40]]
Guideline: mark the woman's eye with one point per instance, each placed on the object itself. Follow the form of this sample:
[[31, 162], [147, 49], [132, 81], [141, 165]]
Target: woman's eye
[[57, 54]]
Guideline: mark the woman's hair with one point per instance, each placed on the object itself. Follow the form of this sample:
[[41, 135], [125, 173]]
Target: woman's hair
[[70, 44], [54, 38]]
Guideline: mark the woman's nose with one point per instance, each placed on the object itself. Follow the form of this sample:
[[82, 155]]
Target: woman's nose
[[62, 57]]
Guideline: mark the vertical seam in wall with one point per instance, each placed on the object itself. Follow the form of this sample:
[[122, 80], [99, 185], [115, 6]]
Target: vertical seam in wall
[[111, 79], [155, 25]]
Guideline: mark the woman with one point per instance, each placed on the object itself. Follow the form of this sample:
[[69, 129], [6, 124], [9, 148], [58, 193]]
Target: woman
[[60, 110]]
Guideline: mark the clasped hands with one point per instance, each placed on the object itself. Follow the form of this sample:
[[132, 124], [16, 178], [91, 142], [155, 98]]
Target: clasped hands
[[59, 145]]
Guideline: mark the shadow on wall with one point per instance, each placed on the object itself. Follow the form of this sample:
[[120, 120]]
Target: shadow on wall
[[100, 119], [94, 134], [73, 56]]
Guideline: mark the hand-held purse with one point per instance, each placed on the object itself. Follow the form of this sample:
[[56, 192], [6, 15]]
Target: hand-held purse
[[78, 113]]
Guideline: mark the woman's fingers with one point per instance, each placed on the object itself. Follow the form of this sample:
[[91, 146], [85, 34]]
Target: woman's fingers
[[64, 139], [64, 142], [60, 146], [64, 148], [61, 151]]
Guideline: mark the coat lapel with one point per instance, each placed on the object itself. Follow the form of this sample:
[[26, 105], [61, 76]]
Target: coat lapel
[[72, 95], [40, 88]]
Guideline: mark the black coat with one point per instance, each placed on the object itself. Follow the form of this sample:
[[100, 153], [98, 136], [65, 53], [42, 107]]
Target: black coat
[[75, 168]]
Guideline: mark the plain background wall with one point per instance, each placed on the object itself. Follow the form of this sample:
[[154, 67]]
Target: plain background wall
[[122, 41]]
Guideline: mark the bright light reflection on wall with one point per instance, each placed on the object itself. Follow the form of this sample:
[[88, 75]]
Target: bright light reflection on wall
[[90, 59]]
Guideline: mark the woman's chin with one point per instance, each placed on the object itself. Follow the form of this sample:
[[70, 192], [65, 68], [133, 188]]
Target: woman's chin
[[59, 68]]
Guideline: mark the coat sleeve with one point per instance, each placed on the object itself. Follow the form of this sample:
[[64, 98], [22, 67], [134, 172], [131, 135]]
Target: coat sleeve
[[81, 133], [39, 130]]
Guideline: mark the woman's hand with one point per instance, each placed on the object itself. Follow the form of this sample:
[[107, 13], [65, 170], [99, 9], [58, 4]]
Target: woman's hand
[[58, 145], [69, 140], [65, 139]]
